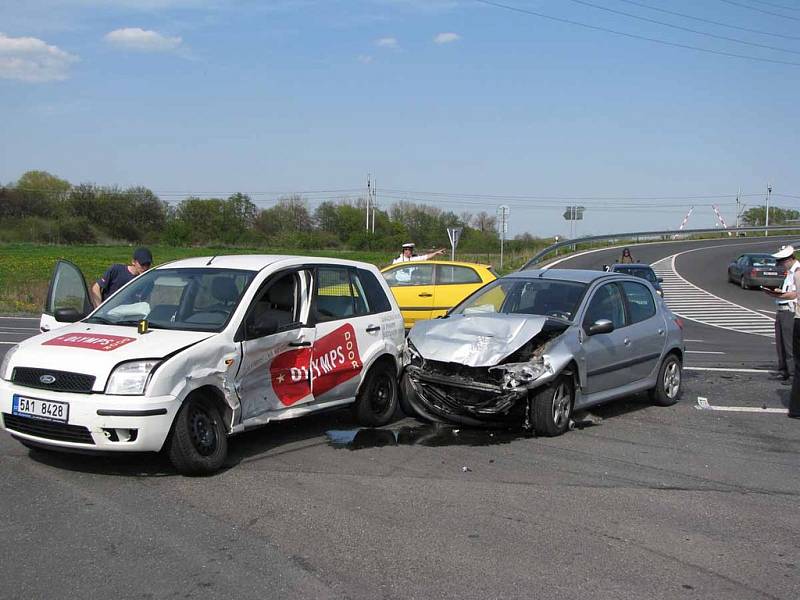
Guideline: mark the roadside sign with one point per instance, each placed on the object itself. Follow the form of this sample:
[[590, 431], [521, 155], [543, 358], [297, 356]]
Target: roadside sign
[[454, 234], [574, 213]]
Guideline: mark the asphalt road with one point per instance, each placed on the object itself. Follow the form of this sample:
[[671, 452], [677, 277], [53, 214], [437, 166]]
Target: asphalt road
[[636, 502]]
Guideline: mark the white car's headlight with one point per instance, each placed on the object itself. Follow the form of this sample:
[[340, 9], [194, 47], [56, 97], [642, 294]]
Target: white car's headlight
[[4, 366], [130, 378]]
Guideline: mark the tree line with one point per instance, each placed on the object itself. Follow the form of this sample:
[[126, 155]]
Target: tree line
[[41, 207]]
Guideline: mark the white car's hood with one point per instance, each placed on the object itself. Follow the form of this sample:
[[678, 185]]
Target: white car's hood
[[475, 340], [97, 349]]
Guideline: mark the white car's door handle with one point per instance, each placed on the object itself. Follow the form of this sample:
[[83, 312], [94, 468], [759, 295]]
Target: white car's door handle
[[373, 328]]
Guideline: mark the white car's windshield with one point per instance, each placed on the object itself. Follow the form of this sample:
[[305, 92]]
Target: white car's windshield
[[529, 296], [195, 299]]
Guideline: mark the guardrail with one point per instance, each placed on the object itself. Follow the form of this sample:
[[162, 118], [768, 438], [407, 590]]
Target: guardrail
[[637, 237]]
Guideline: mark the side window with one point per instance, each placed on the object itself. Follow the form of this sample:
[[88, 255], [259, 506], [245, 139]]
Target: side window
[[370, 288], [410, 275], [640, 301], [276, 306], [334, 296], [446, 274], [607, 303]]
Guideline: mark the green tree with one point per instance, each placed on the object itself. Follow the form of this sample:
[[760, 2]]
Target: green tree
[[757, 216]]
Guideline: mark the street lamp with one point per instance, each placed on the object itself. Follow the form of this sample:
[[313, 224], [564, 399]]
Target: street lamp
[[766, 220]]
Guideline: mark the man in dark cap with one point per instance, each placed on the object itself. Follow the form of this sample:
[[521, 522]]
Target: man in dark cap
[[118, 275]]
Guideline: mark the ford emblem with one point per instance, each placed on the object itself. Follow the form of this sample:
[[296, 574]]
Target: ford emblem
[[47, 379]]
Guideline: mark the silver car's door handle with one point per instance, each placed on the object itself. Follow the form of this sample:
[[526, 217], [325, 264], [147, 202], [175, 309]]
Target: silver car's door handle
[[660, 332], [626, 341]]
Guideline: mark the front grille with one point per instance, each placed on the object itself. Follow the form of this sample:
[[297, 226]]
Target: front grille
[[64, 381], [48, 429]]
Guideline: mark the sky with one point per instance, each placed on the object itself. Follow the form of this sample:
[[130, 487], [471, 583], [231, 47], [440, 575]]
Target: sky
[[463, 104]]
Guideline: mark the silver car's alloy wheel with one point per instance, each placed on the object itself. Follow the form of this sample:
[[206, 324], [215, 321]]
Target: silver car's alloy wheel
[[672, 380], [562, 403]]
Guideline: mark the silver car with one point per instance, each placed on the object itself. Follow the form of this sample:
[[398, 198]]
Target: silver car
[[533, 346]]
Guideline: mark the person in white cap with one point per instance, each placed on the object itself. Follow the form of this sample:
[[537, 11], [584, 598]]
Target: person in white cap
[[407, 254], [786, 299]]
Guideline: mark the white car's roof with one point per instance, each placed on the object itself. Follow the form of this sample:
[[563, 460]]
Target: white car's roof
[[255, 262]]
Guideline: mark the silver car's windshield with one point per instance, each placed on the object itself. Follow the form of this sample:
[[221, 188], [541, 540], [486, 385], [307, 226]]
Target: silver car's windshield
[[529, 296], [195, 299]]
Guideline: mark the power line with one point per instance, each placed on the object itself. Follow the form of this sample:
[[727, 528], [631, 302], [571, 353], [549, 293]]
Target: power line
[[766, 12], [709, 21], [636, 36], [681, 28], [532, 197], [775, 5]]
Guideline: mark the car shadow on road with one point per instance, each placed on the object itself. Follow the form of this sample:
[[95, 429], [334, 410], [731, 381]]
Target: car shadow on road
[[336, 428]]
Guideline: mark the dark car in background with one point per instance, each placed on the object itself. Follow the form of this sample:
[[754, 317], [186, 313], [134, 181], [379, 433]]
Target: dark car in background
[[753, 269], [641, 271]]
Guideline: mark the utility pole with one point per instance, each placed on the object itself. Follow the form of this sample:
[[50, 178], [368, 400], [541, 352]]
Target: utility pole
[[502, 213], [374, 202], [369, 194], [738, 194], [766, 220]]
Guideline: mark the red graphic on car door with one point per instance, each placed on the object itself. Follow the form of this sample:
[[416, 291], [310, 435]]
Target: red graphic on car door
[[332, 360]]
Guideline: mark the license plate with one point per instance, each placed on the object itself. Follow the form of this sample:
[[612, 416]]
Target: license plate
[[35, 408], [770, 273]]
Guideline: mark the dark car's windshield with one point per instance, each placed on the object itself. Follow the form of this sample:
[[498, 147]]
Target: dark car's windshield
[[196, 299], [527, 296], [642, 272]]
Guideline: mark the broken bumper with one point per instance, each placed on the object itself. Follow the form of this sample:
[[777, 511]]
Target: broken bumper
[[459, 399]]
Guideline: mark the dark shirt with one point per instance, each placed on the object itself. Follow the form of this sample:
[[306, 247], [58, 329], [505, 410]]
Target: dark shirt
[[114, 278]]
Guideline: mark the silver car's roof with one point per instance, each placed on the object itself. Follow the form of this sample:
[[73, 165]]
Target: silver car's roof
[[577, 275]]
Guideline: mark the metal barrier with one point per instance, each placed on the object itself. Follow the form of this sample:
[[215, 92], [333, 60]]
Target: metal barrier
[[637, 237]]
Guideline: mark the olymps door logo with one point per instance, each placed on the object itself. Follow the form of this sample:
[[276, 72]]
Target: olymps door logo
[[332, 360], [104, 343]]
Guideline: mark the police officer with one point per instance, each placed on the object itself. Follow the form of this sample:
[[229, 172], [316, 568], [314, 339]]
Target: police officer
[[407, 254], [786, 299]]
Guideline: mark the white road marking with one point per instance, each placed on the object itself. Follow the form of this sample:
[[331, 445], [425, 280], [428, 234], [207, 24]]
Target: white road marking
[[9, 343], [22, 318], [727, 370], [702, 404], [769, 312], [702, 352], [695, 341], [692, 302]]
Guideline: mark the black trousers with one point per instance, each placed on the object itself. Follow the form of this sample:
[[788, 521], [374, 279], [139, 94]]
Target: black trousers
[[794, 402], [784, 340]]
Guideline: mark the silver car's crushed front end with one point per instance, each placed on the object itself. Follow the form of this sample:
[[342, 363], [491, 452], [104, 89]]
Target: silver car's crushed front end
[[487, 392]]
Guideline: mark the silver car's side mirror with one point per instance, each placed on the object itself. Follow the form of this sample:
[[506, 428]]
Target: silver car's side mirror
[[601, 326]]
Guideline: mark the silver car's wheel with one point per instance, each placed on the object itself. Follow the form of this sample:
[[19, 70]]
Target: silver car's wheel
[[668, 387], [553, 407], [743, 283]]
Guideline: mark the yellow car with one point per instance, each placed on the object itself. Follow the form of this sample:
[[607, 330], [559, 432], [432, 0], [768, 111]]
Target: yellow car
[[427, 289]]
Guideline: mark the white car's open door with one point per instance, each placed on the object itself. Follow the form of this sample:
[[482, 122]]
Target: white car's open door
[[67, 298]]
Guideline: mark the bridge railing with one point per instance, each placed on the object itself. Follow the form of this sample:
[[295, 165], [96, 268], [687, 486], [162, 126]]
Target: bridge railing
[[637, 237]]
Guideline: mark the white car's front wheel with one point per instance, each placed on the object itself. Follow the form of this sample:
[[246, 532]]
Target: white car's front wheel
[[198, 444]]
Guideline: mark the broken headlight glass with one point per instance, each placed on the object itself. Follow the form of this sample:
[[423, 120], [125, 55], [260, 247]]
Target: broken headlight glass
[[411, 355], [517, 375]]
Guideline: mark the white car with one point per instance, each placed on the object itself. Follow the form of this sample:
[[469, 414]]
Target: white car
[[196, 350]]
